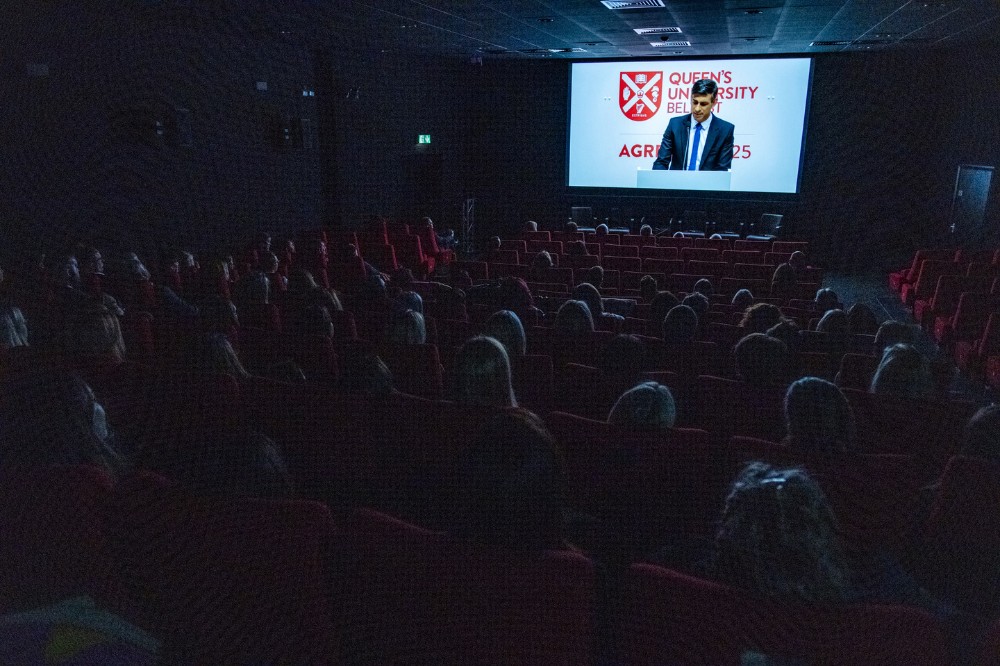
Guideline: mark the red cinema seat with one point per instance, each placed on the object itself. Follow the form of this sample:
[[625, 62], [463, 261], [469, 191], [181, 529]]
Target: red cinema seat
[[752, 245], [657, 252], [226, 580], [347, 276], [416, 369], [477, 270], [623, 264], [720, 244], [961, 539], [566, 236], [790, 246], [619, 251], [753, 272], [700, 254], [743, 257], [55, 545], [519, 246], [383, 257], [409, 595], [672, 618], [927, 278], [678, 242], [580, 261], [909, 275], [529, 236]]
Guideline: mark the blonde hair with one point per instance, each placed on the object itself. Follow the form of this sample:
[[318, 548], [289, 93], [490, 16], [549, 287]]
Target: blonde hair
[[505, 326], [647, 406], [574, 317], [483, 373]]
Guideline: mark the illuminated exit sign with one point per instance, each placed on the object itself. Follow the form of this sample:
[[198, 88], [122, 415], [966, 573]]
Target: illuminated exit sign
[[424, 138]]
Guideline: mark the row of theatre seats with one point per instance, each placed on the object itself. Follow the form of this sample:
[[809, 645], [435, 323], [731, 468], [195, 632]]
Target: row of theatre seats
[[304, 581], [954, 295]]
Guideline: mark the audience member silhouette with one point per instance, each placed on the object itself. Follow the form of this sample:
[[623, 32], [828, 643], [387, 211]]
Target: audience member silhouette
[[647, 288], [982, 434], [697, 302], [505, 327], [861, 320], [834, 322], [365, 374], [658, 309], [762, 361], [680, 326], [778, 538], [482, 370], [818, 418], [510, 486], [891, 333], [784, 282], [759, 317], [407, 328], [646, 406], [742, 300], [13, 327], [573, 319], [704, 287], [826, 299], [903, 372], [51, 417]]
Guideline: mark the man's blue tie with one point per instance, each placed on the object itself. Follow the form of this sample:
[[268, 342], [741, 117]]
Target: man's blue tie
[[693, 164]]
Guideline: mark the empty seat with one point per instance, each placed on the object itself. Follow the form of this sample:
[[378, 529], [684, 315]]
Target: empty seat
[[752, 245], [663, 266], [619, 251], [743, 257], [790, 246], [700, 254], [618, 263], [657, 252]]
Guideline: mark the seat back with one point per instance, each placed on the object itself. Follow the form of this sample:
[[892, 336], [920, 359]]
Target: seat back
[[552, 247], [671, 618], [962, 534], [55, 544], [410, 595], [752, 245], [700, 254], [657, 252], [620, 263], [226, 581], [619, 251], [536, 235], [416, 369]]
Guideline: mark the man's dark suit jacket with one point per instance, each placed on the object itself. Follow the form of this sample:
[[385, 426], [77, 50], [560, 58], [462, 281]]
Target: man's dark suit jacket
[[718, 153]]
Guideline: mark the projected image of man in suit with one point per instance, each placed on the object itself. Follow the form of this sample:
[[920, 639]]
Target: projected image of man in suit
[[699, 141]]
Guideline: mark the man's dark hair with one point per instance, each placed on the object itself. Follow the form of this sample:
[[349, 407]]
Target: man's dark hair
[[705, 87]]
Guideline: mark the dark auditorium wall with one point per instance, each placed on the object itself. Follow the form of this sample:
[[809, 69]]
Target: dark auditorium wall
[[80, 151], [81, 157]]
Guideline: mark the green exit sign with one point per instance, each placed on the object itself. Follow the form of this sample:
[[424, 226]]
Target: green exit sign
[[424, 138]]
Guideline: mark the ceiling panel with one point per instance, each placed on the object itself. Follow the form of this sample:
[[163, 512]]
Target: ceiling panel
[[529, 28]]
